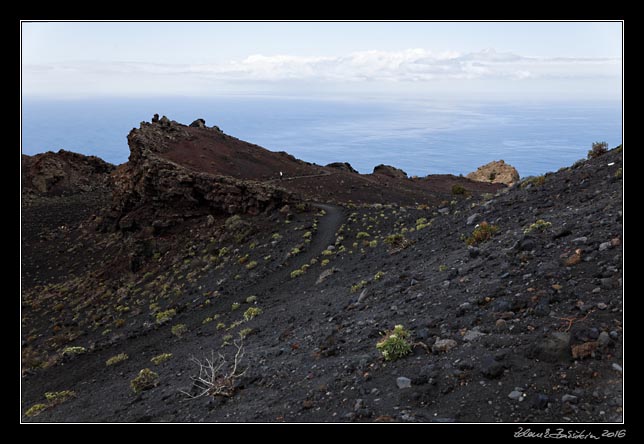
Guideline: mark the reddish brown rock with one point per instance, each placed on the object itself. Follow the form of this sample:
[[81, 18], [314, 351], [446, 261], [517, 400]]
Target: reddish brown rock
[[157, 191]]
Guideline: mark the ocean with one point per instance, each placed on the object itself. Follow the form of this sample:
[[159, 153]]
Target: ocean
[[420, 136]]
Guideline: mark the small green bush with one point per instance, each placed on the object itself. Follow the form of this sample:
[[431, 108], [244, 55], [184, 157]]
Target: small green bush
[[597, 149], [146, 380], [179, 330], [296, 273], [242, 260], [226, 340], [394, 239], [251, 299], [457, 189], [116, 359], [327, 252], [245, 332], [220, 326], [235, 306], [159, 359], [482, 233], [251, 265], [36, 409], [373, 243], [252, 312], [379, 275], [359, 286], [540, 225], [324, 262], [394, 344], [55, 398], [72, 351], [362, 235], [618, 173], [442, 268], [164, 316], [536, 181]]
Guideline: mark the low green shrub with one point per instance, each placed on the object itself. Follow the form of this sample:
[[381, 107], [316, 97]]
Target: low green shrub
[[252, 312], [482, 233], [394, 344], [145, 380], [539, 225], [159, 359], [116, 359]]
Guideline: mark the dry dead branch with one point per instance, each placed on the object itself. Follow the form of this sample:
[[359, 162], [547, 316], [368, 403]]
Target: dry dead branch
[[216, 377]]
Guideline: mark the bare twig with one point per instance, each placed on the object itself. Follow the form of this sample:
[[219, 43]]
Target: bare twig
[[573, 319], [214, 378]]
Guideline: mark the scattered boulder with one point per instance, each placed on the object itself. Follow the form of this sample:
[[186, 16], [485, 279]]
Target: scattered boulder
[[554, 348], [495, 172], [403, 382], [64, 172], [388, 170], [515, 395], [473, 218], [199, 123], [581, 351], [443, 345], [472, 335], [343, 166], [491, 368]]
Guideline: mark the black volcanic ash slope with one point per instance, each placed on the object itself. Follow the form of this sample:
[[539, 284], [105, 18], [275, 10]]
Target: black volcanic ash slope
[[523, 327]]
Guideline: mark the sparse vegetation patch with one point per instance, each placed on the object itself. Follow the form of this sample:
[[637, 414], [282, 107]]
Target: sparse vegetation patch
[[394, 344]]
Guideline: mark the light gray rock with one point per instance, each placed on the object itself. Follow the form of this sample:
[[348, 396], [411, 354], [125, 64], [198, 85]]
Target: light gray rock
[[473, 218], [472, 335], [515, 395], [443, 345], [403, 382]]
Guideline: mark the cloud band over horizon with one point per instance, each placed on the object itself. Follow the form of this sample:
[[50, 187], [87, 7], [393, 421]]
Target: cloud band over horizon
[[416, 67]]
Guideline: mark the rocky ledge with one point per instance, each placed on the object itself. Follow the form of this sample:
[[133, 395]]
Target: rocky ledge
[[62, 173], [153, 191]]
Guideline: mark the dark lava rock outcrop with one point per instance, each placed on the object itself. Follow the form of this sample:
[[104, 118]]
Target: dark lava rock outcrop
[[495, 172], [155, 190], [388, 170], [63, 172], [343, 166]]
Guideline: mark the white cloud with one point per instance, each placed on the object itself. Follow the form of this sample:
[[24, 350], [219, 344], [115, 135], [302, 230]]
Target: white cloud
[[407, 66]]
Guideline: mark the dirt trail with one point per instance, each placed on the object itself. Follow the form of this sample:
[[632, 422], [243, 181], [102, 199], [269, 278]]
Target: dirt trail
[[328, 225]]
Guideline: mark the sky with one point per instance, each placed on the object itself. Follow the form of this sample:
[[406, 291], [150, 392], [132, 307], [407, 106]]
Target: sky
[[503, 60]]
